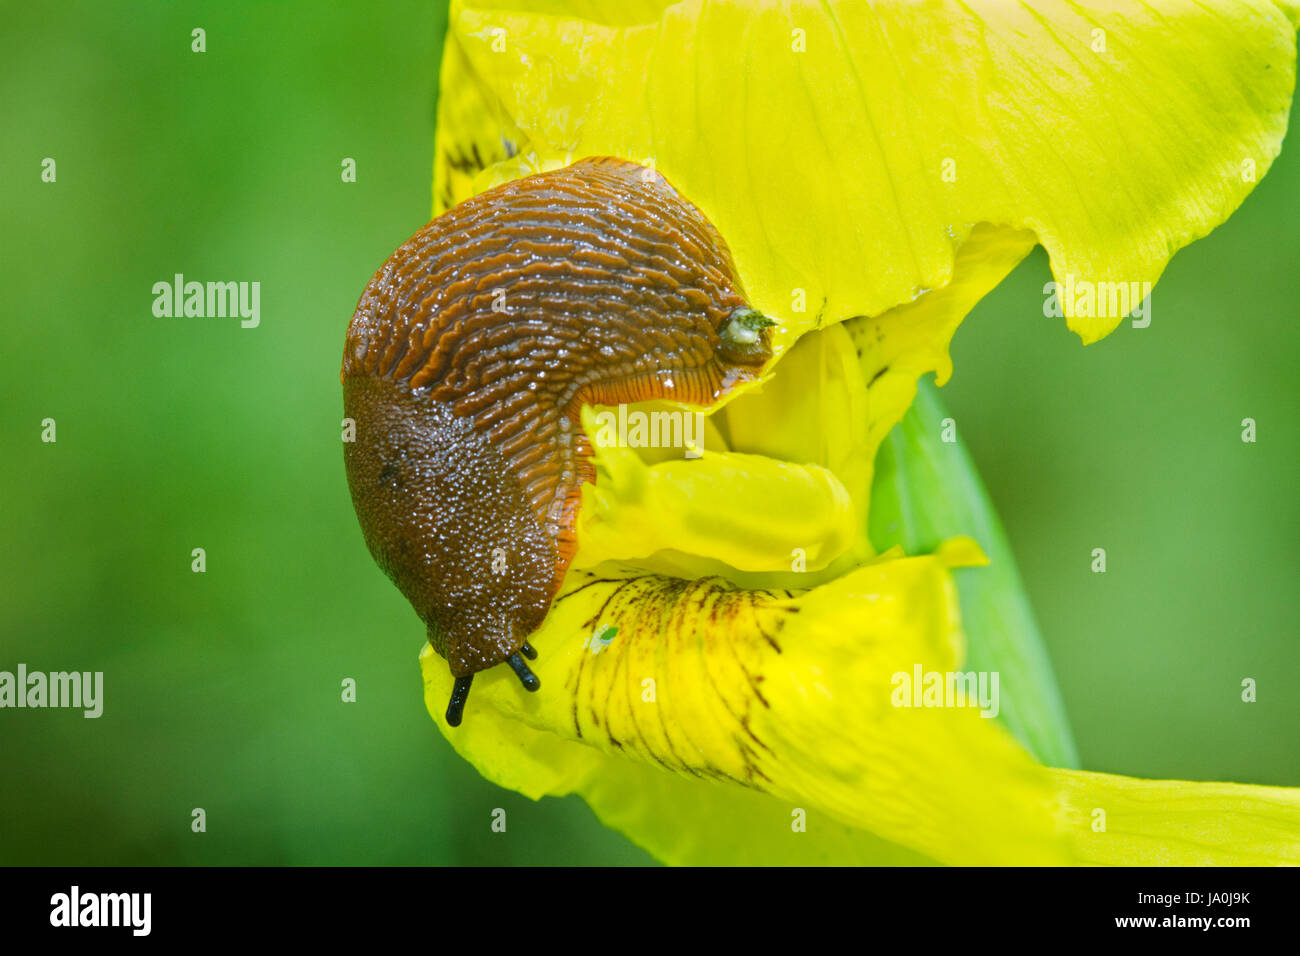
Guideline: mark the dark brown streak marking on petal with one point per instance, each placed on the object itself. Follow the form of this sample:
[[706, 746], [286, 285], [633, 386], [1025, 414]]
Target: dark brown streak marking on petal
[[595, 618], [767, 637], [570, 593], [753, 683], [742, 719]]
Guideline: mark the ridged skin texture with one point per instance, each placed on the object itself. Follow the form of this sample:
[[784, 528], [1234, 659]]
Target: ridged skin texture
[[470, 356]]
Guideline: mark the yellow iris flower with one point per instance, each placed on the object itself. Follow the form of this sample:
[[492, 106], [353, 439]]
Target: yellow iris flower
[[721, 670]]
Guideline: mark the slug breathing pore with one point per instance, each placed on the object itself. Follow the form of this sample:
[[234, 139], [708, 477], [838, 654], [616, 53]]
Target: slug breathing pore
[[468, 361]]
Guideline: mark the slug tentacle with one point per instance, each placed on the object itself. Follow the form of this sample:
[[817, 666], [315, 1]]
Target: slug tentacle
[[468, 361]]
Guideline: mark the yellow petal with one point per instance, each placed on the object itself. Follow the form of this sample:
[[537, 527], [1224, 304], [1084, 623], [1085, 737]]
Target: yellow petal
[[746, 511], [885, 175], [772, 516], [1121, 820], [845, 151], [684, 820], [790, 696], [749, 754]]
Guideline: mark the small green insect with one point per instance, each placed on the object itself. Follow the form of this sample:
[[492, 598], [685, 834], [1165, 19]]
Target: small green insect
[[601, 638]]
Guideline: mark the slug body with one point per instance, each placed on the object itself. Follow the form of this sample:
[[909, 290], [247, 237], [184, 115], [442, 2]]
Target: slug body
[[468, 361]]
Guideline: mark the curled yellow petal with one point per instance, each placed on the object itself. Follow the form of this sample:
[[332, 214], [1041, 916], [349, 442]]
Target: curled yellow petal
[[747, 511], [700, 719], [790, 695], [847, 150]]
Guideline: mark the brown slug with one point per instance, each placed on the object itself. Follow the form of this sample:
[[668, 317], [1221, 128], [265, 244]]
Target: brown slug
[[468, 361]]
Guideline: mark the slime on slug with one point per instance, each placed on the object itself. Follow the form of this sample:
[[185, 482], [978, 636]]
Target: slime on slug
[[468, 361]]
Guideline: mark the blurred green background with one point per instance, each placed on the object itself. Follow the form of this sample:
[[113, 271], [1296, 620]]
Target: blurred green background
[[223, 688]]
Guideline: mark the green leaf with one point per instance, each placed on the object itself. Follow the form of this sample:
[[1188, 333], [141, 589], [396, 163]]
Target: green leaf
[[927, 490]]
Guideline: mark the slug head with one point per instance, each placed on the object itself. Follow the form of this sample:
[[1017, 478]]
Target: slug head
[[445, 519]]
